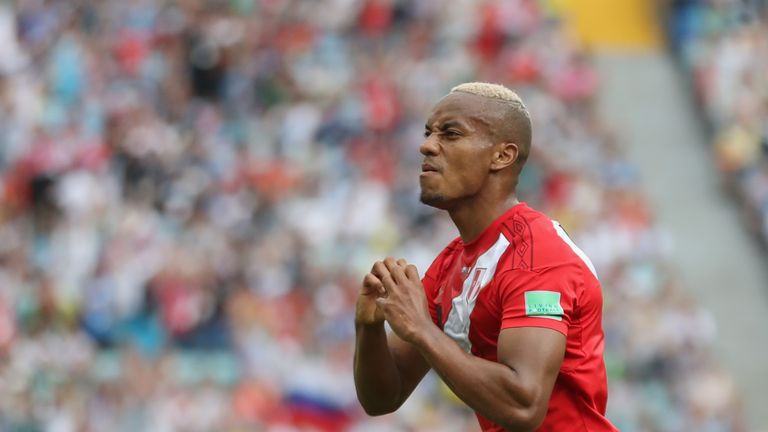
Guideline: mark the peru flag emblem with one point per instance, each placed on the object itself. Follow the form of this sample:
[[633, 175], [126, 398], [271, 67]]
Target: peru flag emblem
[[478, 276]]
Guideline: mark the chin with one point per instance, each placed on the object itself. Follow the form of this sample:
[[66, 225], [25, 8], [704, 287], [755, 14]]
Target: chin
[[433, 200]]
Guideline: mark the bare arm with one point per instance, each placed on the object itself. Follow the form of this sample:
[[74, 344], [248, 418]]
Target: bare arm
[[514, 392], [386, 370]]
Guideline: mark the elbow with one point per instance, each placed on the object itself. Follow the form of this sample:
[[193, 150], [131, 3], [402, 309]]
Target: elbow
[[375, 410], [523, 423], [377, 406], [376, 401], [526, 418]]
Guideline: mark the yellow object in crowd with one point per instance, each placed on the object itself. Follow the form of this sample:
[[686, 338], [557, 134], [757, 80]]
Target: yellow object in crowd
[[612, 24]]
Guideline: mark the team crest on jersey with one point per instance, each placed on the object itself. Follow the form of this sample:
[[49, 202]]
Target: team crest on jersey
[[477, 280]]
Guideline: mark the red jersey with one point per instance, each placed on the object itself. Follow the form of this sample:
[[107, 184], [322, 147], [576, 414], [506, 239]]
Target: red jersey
[[524, 271]]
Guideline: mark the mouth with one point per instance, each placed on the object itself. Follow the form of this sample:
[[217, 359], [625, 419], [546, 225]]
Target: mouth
[[427, 169]]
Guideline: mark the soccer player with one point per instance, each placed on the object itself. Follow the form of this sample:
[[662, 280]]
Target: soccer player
[[509, 313]]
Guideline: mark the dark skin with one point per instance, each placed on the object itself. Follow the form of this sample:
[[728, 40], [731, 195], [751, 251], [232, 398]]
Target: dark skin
[[473, 151]]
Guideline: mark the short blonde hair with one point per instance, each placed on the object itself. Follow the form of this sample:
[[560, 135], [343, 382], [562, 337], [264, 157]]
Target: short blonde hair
[[518, 114], [490, 90]]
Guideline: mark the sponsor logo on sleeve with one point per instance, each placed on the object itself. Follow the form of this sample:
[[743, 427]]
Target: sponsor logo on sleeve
[[543, 304]]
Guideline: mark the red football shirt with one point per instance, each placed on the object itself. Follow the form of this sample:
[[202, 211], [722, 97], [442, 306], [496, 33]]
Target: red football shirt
[[524, 271]]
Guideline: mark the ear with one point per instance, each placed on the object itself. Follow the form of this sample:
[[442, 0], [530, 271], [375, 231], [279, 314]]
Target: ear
[[504, 155]]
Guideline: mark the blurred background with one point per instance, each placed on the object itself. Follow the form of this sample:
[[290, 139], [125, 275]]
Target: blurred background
[[192, 190]]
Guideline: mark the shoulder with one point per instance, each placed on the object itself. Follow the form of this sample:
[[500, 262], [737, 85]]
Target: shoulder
[[537, 243]]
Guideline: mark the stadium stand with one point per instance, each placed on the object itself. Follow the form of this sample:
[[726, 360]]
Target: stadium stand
[[724, 46], [191, 192]]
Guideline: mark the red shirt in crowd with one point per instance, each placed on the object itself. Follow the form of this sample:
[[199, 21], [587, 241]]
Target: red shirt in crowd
[[524, 271]]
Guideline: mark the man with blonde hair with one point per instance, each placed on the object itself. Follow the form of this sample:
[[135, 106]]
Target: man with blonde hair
[[510, 313]]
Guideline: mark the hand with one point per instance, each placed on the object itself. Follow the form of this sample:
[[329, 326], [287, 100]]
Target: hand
[[405, 304], [367, 311]]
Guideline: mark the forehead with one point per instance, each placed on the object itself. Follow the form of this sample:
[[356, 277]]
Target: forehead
[[466, 108]]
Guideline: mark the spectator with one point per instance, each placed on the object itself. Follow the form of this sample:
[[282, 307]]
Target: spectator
[[726, 50]]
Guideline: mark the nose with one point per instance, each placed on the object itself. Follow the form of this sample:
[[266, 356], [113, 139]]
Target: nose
[[429, 146]]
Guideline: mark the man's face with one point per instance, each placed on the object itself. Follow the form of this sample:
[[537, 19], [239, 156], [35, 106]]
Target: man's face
[[457, 149]]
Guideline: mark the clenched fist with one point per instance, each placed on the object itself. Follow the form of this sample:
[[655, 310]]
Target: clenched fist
[[402, 301], [367, 311]]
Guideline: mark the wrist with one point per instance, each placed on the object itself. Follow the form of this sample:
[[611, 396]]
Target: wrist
[[369, 326], [425, 336]]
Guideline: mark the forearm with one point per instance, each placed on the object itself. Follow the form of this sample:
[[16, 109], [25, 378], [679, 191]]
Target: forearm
[[377, 379], [494, 390]]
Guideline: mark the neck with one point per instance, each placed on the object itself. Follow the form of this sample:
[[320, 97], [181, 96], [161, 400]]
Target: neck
[[473, 218]]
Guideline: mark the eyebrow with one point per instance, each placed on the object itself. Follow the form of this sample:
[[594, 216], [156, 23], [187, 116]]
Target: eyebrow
[[449, 124]]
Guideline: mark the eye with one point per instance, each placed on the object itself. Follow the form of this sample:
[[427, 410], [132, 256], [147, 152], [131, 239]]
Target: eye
[[450, 134], [427, 133]]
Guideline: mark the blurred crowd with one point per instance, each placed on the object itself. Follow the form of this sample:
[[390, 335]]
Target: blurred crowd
[[191, 192], [724, 44]]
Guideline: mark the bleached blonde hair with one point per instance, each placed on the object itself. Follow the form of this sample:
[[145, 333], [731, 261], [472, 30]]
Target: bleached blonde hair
[[496, 91], [493, 91], [518, 114]]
